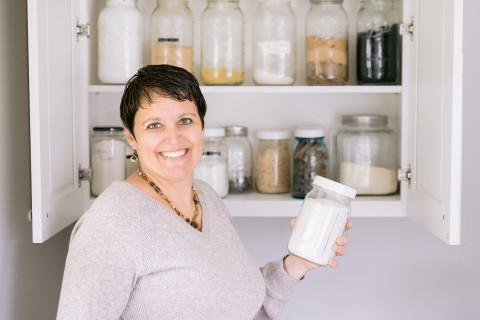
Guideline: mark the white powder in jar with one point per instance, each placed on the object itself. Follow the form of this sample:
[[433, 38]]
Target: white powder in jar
[[319, 223], [214, 172], [108, 164], [262, 76], [368, 180]]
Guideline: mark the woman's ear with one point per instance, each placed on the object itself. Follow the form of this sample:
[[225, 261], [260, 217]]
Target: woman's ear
[[130, 139]]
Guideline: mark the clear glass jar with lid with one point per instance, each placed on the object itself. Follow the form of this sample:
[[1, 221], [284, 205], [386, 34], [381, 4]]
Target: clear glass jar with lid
[[120, 30], [107, 157], [213, 166], [326, 27], [274, 43], [378, 43], [310, 159], [273, 169], [366, 155], [322, 219], [240, 159], [222, 43], [171, 34]]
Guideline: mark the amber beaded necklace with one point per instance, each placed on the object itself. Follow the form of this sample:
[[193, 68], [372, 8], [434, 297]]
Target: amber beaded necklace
[[193, 222]]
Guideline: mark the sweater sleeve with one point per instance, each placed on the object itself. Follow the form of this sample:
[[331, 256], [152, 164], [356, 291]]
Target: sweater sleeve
[[280, 287]]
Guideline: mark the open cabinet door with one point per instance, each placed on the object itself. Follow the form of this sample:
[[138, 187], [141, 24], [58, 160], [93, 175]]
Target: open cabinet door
[[58, 107], [435, 119]]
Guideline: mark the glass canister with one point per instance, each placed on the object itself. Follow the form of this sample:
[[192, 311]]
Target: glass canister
[[213, 167], [273, 173], [326, 27], [107, 157], [171, 34], [119, 41], [378, 43], [322, 219], [366, 155], [310, 159], [240, 159], [274, 43], [222, 43]]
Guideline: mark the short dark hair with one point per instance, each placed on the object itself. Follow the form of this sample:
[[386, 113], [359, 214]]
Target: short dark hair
[[162, 80]]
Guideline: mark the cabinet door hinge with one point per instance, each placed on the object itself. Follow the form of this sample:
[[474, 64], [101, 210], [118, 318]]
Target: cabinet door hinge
[[83, 30], [84, 175], [405, 175], [407, 29]]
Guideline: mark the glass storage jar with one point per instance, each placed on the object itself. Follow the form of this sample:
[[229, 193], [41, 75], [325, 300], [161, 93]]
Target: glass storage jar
[[273, 173], [240, 159], [274, 43], [107, 157], [366, 155], [322, 219], [326, 27], [222, 43], [213, 166], [171, 34], [310, 159], [378, 43], [119, 41]]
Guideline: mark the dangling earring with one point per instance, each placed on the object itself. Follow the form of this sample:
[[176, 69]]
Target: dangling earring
[[134, 157]]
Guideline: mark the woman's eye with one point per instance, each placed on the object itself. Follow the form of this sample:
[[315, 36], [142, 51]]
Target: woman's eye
[[154, 125], [185, 121]]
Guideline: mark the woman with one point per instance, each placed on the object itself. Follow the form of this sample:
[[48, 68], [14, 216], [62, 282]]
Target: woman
[[160, 245]]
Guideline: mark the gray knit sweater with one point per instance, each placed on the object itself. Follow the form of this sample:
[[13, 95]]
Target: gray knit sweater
[[130, 257]]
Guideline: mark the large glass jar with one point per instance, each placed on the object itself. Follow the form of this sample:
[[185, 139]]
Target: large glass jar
[[378, 43], [273, 173], [310, 159], [119, 41], [366, 155], [222, 43], [213, 167], [171, 34], [107, 157], [322, 219], [274, 43], [326, 26], [240, 159]]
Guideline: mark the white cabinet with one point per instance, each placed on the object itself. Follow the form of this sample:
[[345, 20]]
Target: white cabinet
[[426, 112]]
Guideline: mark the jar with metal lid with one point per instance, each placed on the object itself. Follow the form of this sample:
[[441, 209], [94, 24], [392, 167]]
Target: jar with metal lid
[[378, 43], [240, 159], [119, 41], [107, 157], [222, 43], [326, 27], [366, 155], [171, 34], [321, 220], [274, 43], [213, 166], [273, 173], [310, 159]]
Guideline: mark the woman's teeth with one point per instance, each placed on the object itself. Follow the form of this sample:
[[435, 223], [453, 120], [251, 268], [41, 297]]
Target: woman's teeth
[[174, 154]]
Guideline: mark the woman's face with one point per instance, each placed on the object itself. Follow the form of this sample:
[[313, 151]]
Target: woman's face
[[168, 138]]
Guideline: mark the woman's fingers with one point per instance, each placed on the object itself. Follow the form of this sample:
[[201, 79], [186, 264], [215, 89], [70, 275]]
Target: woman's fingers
[[292, 222]]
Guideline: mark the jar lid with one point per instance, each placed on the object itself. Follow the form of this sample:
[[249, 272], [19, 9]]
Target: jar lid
[[309, 132], [111, 129], [236, 131], [371, 120], [214, 132], [273, 134], [335, 187]]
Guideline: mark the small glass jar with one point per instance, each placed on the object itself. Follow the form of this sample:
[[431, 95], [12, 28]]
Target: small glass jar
[[119, 41], [378, 43], [326, 26], [222, 43], [322, 219], [310, 159], [273, 173], [107, 157], [274, 43], [240, 159], [366, 155], [213, 167], [171, 34]]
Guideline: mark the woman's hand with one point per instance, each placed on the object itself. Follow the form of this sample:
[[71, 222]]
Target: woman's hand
[[298, 267]]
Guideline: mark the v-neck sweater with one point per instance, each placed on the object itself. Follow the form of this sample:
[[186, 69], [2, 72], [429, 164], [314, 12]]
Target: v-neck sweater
[[131, 257]]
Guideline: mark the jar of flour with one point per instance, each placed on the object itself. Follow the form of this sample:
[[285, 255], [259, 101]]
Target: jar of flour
[[322, 219]]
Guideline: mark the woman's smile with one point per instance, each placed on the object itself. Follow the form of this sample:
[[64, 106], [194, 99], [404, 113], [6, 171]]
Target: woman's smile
[[174, 154]]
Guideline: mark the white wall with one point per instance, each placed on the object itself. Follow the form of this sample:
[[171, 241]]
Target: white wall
[[394, 270]]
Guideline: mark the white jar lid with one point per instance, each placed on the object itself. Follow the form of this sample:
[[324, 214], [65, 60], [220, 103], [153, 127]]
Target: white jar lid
[[214, 132], [309, 132], [335, 187], [273, 134]]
